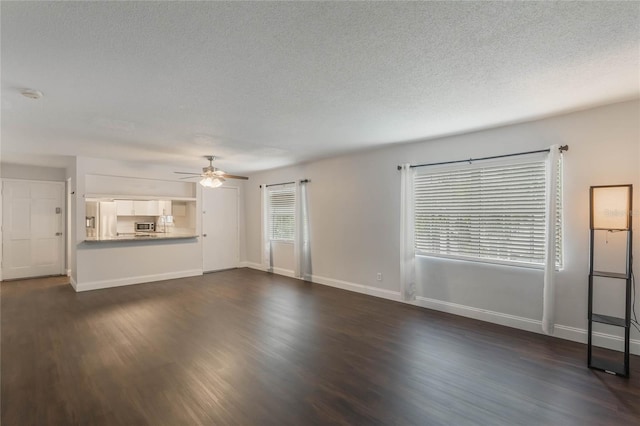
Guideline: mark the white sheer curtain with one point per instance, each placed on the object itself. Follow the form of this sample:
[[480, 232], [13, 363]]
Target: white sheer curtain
[[301, 246], [549, 290], [267, 257], [407, 243]]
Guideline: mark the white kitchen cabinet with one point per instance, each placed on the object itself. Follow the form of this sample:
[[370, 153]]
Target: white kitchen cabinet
[[136, 208], [140, 208], [165, 208], [143, 207], [124, 208]]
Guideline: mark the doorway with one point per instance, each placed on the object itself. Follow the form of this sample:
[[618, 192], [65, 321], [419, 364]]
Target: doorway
[[33, 228], [220, 232]]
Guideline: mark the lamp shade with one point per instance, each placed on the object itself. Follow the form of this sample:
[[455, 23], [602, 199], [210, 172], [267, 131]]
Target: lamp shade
[[611, 207]]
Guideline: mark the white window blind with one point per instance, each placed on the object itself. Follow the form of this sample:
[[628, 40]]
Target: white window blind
[[281, 213], [493, 213]]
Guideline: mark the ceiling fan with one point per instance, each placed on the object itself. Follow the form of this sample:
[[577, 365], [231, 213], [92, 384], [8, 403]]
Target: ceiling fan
[[211, 176]]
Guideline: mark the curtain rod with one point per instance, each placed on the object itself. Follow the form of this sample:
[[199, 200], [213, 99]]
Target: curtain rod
[[470, 160], [286, 183]]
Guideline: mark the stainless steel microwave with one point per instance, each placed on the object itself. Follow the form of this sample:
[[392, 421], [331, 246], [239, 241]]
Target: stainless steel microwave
[[145, 226]]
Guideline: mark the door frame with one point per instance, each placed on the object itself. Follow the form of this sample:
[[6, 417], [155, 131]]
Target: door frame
[[63, 220], [224, 188]]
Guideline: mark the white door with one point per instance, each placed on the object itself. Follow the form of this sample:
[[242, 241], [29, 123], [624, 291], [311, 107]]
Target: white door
[[32, 228], [220, 238]]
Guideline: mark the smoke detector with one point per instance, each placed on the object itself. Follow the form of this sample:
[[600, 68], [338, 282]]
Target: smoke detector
[[31, 93]]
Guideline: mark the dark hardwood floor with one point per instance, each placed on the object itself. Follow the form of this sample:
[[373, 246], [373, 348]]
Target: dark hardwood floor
[[243, 347]]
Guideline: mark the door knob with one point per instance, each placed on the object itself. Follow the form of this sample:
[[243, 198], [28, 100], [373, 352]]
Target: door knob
[[204, 235], [58, 234]]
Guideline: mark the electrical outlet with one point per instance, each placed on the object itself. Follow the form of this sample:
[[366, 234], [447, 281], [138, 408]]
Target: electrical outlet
[[379, 276]]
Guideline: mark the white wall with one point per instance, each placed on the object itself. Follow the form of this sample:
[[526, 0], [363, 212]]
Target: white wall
[[100, 265], [107, 264], [22, 171], [1, 236], [72, 236], [354, 204], [282, 255]]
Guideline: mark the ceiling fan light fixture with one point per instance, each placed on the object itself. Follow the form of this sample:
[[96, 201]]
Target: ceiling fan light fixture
[[211, 176], [211, 182]]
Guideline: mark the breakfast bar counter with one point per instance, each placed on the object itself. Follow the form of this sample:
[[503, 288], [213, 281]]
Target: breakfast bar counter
[[141, 237]]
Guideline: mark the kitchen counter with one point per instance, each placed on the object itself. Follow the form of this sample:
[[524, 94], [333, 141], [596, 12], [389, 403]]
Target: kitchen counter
[[147, 236]]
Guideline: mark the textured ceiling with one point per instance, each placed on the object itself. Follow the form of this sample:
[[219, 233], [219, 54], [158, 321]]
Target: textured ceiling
[[271, 83]]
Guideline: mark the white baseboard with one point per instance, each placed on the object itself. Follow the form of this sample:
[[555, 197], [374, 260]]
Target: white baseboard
[[480, 314], [95, 285], [73, 283], [68, 272], [260, 267], [285, 272], [252, 265], [358, 288], [604, 340], [574, 334], [345, 285]]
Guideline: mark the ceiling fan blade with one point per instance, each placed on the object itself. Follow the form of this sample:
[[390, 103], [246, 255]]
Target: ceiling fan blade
[[234, 177], [211, 172], [190, 177]]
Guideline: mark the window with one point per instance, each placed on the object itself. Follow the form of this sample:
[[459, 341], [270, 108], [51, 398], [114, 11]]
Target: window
[[494, 213], [281, 210]]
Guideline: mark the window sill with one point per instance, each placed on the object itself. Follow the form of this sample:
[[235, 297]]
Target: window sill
[[282, 241], [497, 262]]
